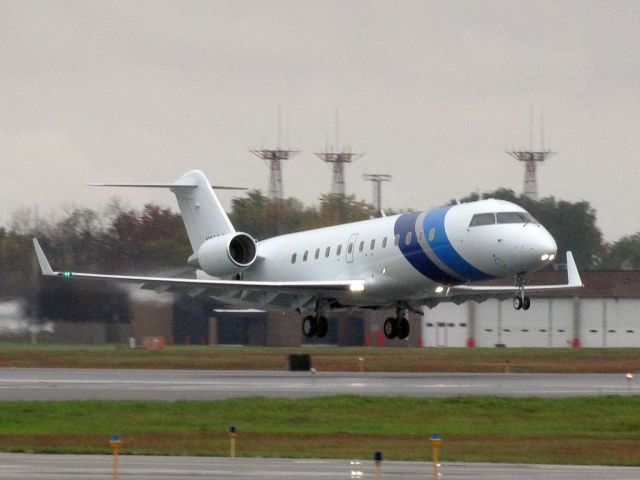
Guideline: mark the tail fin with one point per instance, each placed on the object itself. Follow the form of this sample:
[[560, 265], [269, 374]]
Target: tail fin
[[201, 210]]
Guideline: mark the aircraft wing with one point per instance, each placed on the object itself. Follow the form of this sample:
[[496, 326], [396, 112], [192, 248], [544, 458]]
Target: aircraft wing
[[573, 281], [228, 288]]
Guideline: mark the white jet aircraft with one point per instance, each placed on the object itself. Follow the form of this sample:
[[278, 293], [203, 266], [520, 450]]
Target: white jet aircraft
[[404, 261]]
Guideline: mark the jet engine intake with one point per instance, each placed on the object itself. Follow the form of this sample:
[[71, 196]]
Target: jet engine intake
[[226, 254]]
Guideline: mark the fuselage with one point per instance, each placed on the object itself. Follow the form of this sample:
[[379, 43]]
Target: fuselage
[[412, 255]]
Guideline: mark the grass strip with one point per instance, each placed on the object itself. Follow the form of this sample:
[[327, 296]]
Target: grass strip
[[594, 430], [515, 360]]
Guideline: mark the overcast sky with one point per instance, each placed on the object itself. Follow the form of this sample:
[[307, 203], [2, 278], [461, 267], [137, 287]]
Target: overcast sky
[[432, 92]]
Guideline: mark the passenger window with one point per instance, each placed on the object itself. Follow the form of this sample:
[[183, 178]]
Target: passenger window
[[361, 246], [407, 239], [317, 253], [327, 251], [293, 258], [305, 256], [420, 236], [350, 249], [384, 242], [339, 250], [483, 219], [396, 241], [373, 244], [510, 217]]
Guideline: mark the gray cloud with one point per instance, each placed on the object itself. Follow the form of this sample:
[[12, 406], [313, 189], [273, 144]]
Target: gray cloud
[[433, 92]]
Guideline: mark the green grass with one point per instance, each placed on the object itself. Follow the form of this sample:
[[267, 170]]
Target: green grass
[[599, 430], [558, 360]]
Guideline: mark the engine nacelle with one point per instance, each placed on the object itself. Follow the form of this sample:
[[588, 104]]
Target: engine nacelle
[[227, 254]]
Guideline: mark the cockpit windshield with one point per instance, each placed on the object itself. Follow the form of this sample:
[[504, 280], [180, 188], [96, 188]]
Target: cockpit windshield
[[528, 218], [510, 217], [483, 219], [501, 217]]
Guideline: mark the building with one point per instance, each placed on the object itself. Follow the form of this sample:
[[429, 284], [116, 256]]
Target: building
[[605, 313]]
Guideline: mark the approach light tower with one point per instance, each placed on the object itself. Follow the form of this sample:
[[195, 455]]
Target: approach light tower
[[337, 162], [377, 179], [530, 159], [273, 158]]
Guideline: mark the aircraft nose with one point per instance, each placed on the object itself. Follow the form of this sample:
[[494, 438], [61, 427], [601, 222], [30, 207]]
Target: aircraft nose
[[544, 247]]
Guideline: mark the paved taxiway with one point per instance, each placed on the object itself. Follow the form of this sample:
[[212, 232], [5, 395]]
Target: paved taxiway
[[94, 467], [110, 384]]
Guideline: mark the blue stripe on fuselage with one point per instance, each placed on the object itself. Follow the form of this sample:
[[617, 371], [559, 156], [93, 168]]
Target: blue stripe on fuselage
[[441, 247], [414, 253]]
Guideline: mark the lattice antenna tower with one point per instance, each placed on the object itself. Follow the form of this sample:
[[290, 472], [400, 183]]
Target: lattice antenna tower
[[531, 157], [337, 160], [377, 179], [273, 158]]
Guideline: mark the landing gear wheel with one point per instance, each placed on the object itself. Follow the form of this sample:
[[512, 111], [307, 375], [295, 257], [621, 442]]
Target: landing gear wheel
[[322, 327], [391, 328], [517, 302], [526, 303], [403, 328], [309, 326]]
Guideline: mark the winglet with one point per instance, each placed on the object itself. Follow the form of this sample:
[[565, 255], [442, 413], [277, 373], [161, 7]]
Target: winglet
[[42, 259], [573, 275]]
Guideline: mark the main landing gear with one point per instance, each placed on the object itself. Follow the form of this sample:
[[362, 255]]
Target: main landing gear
[[397, 327], [521, 301], [315, 325]]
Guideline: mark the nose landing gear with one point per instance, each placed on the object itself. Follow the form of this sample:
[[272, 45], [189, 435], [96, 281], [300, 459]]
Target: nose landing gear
[[521, 301]]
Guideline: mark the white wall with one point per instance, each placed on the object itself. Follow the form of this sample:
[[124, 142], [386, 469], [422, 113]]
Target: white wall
[[445, 326], [604, 322], [626, 316]]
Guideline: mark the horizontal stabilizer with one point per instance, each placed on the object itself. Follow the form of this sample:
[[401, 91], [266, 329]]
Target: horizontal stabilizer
[[187, 185], [201, 210]]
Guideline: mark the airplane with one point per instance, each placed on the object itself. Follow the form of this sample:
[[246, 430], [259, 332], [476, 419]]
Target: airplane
[[406, 261]]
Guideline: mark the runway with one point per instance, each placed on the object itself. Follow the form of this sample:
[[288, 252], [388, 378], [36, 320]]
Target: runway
[[132, 384], [98, 467]]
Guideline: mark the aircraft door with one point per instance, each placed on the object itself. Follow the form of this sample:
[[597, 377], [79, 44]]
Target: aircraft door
[[351, 247]]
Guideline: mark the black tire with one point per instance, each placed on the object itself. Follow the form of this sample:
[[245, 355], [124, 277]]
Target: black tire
[[391, 328], [517, 302], [322, 328], [526, 303], [309, 326], [403, 329]]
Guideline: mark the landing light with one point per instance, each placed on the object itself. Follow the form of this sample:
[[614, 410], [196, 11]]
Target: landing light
[[439, 289], [357, 287], [544, 257], [552, 256]]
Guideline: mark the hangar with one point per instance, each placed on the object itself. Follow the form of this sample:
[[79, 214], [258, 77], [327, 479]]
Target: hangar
[[605, 313]]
